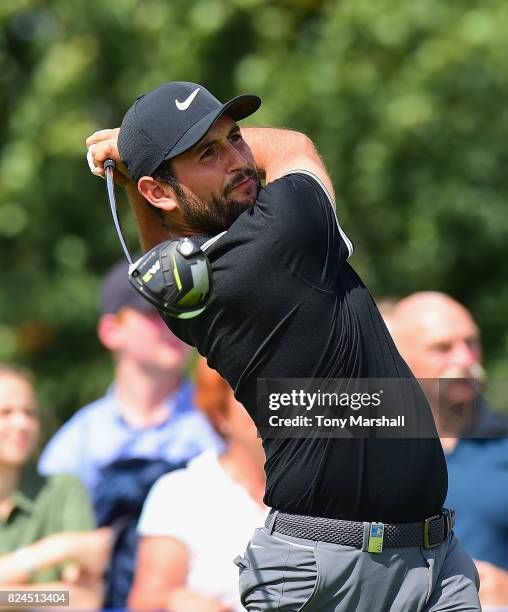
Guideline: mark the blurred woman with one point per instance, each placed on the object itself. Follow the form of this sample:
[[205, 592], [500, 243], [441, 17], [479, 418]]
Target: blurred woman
[[197, 520], [45, 523]]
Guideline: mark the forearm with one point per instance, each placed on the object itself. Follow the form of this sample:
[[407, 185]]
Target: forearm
[[141, 598], [19, 566], [151, 228], [162, 565], [273, 148], [103, 145], [493, 584], [87, 549], [277, 152], [155, 592]]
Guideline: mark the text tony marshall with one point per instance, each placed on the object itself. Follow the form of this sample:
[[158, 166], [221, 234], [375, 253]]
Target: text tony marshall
[[340, 422]]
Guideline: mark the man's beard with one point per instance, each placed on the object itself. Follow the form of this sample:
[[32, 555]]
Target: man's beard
[[461, 384], [218, 214]]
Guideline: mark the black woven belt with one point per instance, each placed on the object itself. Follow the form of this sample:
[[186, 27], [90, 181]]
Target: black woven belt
[[428, 533]]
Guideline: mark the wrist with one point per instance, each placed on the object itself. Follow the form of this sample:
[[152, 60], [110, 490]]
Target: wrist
[[55, 548], [25, 561]]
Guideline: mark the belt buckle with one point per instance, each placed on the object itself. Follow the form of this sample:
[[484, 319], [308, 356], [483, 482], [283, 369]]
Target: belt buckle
[[426, 534]]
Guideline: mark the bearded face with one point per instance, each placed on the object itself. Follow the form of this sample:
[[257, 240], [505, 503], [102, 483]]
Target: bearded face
[[216, 214]]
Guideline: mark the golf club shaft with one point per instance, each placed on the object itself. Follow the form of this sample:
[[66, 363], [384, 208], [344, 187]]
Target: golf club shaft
[[109, 168]]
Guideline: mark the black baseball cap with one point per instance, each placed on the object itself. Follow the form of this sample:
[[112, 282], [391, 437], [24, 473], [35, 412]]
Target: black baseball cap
[[171, 119], [118, 293]]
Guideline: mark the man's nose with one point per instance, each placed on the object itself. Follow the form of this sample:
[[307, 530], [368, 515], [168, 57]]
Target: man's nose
[[464, 354], [21, 422], [235, 159]]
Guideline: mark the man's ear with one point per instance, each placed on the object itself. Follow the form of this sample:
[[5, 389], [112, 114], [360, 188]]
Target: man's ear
[[110, 332], [158, 194]]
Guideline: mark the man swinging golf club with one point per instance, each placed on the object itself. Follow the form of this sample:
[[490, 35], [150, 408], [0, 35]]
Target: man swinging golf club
[[357, 523]]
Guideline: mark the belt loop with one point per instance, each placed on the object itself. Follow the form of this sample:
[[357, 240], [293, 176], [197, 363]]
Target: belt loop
[[366, 536], [271, 521], [449, 521]]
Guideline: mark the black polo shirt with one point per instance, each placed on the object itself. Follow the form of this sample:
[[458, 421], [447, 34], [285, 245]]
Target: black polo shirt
[[287, 304]]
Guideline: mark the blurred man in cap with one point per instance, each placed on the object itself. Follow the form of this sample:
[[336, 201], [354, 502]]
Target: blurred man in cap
[[440, 341], [148, 411]]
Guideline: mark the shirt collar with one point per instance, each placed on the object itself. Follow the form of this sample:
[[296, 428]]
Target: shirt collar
[[30, 484], [487, 423], [176, 403], [22, 502]]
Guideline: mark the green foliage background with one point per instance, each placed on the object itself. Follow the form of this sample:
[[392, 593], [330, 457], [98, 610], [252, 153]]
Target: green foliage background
[[407, 102]]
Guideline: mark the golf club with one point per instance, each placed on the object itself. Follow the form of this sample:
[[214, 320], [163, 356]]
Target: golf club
[[175, 276]]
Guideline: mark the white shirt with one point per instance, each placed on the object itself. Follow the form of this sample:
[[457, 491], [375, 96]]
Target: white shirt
[[212, 515]]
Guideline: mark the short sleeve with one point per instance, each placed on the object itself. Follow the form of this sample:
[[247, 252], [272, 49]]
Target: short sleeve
[[324, 190], [299, 215], [167, 508], [71, 503]]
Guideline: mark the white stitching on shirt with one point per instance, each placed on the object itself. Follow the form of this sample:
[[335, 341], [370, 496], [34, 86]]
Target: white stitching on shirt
[[209, 243], [348, 242]]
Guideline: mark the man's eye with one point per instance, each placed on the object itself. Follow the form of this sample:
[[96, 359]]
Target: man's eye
[[473, 343], [236, 137], [442, 347], [208, 153]]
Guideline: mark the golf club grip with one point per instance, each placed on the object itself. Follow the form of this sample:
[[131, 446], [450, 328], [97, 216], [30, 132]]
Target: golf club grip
[[109, 163]]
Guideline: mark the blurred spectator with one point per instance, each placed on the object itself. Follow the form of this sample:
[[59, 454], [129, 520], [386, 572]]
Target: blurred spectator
[[44, 522], [441, 344], [197, 520], [386, 306], [119, 500], [148, 413]]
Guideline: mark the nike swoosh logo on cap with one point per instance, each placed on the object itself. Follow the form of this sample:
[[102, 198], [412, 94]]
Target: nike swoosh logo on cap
[[187, 102]]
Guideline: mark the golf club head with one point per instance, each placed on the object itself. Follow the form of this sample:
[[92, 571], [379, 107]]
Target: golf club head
[[175, 276]]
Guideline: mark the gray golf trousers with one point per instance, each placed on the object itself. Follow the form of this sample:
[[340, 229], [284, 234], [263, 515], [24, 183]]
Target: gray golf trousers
[[286, 574]]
